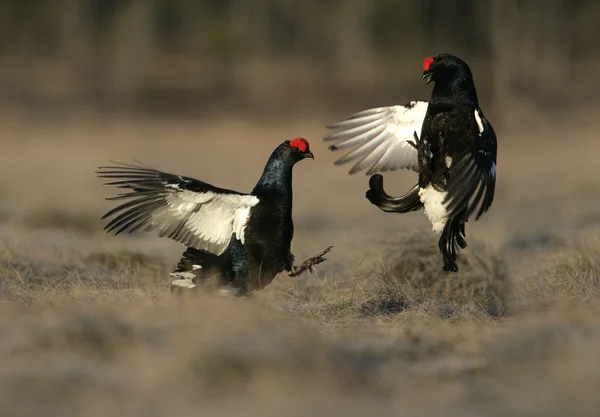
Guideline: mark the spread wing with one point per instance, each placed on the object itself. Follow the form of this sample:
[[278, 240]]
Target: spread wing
[[380, 138], [184, 209], [472, 176]]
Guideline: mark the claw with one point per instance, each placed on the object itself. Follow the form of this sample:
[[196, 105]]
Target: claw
[[309, 263]]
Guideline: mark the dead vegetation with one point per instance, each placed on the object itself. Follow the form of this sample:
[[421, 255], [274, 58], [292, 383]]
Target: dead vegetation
[[129, 354], [410, 274]]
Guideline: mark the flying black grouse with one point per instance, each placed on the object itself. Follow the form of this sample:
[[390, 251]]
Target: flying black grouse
[[447, 140], [244, 239]]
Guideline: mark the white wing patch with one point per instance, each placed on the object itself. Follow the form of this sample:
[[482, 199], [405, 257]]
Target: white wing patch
[[203, 220], [493, 170], [478, 120], [240, 221], [433, 205], [380, 137]]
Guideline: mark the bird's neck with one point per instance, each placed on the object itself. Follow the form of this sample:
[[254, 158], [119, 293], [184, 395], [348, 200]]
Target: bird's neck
[[458, 88], [276, 179]]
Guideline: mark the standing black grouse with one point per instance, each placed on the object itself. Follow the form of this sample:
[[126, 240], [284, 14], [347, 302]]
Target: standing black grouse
[[447, 140], [243, 239]]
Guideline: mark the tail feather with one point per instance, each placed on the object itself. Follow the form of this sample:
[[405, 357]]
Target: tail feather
[[403, 204], [461, 236], [195, 263], [453, 237]]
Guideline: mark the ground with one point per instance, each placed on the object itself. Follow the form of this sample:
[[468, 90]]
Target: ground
[[89, 326]]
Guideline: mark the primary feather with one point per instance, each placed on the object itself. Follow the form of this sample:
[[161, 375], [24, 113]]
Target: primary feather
[[380, 138]]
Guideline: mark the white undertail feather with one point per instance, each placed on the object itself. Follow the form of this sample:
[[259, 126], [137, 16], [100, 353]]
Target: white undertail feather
[[182, 275], [184, 279], [182, 283], [433, 204]]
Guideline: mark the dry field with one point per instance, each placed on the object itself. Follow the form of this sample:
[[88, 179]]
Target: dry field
[[88, 326]]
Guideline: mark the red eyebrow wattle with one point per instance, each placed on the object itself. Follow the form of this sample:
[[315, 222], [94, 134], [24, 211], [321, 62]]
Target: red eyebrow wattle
[[299, 143], [427, 63]]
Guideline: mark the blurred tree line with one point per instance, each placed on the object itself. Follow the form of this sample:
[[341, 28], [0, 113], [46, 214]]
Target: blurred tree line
[[273, 53]]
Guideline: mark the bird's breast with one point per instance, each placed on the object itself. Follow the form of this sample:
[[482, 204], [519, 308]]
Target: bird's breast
[[268, 233]]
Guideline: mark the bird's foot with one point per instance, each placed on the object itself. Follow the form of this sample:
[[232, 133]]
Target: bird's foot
[[309, 263], [416, 142]]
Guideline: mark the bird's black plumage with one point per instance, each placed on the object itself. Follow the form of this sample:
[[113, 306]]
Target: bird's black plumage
[[243, 239], [456, 151], [448, 141]]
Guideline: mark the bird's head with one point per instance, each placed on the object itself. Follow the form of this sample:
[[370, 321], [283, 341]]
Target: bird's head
[[444, 68], [297, 149], [280, 163]]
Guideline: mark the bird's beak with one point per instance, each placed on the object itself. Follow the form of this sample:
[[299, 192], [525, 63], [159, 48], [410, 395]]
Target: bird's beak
[[310, 155], [427, 76]]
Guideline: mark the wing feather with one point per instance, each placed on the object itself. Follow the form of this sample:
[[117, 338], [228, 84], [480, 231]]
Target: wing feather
[[472, 179], [379, 137], [184, 209]]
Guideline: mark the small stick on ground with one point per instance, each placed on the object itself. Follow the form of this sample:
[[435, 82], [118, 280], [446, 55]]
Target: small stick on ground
[[309, 263]]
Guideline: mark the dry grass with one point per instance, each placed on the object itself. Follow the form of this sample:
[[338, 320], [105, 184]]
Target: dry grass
[[89, 327]]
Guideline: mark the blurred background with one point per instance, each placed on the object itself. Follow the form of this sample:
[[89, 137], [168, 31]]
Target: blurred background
[[273, 57], [207, 89]]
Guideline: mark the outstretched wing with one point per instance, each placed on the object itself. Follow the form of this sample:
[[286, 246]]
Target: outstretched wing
[[186, 210], [472, 176], [380, 138]]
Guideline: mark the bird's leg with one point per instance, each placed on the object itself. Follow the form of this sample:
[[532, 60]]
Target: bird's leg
[[290, 261], [424, 153], [427, 154], [237, 283], [427, 151], [296, 270]]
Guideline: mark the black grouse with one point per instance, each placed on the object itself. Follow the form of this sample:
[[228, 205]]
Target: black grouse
[[447, 140], [242, 239]]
